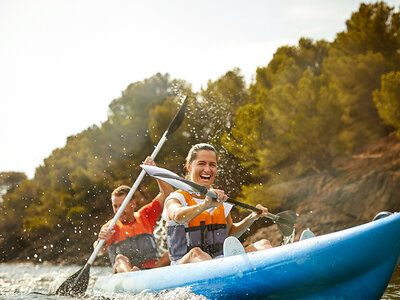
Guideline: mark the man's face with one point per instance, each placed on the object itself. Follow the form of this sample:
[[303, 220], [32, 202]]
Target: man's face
[[127, 214]]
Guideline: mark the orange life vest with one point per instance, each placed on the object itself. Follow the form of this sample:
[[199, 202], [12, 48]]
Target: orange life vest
[[207, 231]]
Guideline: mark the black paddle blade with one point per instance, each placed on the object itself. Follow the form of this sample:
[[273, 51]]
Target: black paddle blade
[[76, 284], [286, 221], [177, 121]]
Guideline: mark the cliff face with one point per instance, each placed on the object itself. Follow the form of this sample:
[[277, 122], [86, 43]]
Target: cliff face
[[360, 187]]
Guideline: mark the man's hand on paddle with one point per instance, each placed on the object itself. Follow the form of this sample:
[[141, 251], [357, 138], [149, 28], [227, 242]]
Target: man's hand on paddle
[[106, 233], [149, 161]]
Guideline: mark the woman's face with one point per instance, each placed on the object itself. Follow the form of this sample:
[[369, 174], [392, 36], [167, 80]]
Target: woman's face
[[203, 168]]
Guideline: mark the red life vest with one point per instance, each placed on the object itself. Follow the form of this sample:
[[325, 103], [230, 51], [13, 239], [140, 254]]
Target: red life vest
[[135, 240]]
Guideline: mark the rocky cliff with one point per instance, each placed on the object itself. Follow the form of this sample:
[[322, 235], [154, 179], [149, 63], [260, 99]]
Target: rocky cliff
[[356, 190]]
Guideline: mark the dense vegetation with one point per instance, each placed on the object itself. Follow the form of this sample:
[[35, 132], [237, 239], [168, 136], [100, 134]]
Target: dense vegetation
[[313, 102]]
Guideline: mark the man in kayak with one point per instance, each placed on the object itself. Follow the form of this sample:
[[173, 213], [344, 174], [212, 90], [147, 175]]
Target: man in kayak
[[198, 226], [131, 244]]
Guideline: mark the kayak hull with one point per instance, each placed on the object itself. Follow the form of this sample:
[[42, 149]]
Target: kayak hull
[[355, 263]]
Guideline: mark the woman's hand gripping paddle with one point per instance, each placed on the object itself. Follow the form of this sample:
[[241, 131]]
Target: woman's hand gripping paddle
[[78, 282], [285, 220]]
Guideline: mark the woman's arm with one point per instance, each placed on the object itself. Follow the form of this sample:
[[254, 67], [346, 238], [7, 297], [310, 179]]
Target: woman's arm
[[237, 229], [183, 214]]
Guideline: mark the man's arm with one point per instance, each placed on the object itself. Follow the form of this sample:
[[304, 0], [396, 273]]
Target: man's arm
[[165, 188]]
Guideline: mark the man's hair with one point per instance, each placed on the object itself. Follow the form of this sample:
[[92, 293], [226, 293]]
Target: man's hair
[[121, 190]]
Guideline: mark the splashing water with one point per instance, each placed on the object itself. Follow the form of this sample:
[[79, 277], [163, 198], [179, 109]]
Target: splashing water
[[28, 281], [160, 233], [289, 239]]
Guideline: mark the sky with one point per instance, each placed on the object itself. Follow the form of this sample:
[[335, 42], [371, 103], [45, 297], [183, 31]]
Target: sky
[[63, 61]]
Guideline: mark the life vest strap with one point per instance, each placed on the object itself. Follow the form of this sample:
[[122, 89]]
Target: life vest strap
[[139, 249], [209, 227]]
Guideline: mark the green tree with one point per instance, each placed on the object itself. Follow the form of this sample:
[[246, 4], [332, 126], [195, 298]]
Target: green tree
[[9, 181], [291, 123], [387, 99], [357, 59], [374, 27], [289, 63], [291, 132], [12, 213], [213, 119]]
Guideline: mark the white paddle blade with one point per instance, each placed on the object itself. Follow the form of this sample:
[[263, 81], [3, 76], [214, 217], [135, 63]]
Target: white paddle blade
[[168, 177]]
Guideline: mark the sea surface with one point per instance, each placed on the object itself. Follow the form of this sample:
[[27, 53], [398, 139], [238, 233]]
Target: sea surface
[[19, 281], [23, 282]]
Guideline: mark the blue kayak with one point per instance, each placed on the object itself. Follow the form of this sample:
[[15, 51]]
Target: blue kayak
[[355, 263]]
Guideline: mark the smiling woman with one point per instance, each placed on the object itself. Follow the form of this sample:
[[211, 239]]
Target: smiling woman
[[198, 226], [205, 168]]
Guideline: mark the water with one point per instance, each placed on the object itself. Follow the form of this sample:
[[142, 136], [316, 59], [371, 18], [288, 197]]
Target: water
[[289, 239], [24, 282], [393, 290]]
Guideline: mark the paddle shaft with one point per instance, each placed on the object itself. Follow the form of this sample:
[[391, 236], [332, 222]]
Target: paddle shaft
[[243, 205], [127, 199], [171, 128], [204, 191]]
